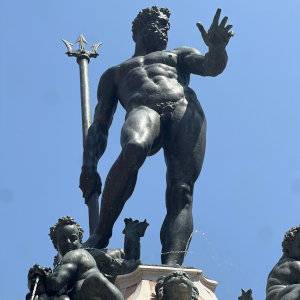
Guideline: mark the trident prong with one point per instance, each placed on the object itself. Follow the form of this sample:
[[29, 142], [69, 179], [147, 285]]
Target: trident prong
[[83, 58], [95, 48], [68, 45], [81, 41]]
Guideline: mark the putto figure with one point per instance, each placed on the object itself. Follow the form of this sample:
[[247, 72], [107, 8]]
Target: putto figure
[[76, 276], [162, 111], [284, 279]]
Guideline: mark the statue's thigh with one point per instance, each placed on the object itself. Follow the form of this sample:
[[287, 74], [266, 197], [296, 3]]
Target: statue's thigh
[[142, 126], [184, 146], [97, 287]]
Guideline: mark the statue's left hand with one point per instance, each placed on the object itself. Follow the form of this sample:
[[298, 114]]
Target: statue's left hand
[[90, 183], [218, 35]]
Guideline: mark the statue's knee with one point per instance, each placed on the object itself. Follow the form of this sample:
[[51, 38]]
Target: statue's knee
[[63, 297], [90, 288], [97, 287], [135, 153], [181, 187], [182, 192]]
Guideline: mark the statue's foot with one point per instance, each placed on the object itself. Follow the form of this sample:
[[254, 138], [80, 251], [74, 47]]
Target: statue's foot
[[172, 258], [129, 266], [171, 263], [96, 241]]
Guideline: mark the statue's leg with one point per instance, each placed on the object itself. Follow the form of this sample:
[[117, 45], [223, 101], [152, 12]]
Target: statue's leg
[[97, 287], [139, 133], [184, 152]]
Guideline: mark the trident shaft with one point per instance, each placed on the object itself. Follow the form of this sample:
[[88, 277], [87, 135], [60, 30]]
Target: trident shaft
[[83, 57]]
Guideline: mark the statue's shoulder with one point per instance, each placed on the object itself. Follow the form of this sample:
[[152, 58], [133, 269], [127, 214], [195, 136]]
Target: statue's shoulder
[[76, 255], [129, 63], [111, 72], [284, 266], [109, 77], [185, 50]]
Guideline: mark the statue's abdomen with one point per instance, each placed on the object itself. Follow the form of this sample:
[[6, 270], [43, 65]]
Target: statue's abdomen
[[150, 84]]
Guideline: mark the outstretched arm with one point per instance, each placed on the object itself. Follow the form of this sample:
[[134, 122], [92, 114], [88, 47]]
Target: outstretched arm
[[96, 141], [214, 61]]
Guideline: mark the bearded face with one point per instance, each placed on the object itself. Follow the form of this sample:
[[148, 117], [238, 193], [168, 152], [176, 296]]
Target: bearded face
[[153, 33], [176, 286]]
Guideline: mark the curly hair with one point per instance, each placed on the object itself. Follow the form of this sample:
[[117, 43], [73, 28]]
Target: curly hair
[[164, 280], [146, 15], [289, 238], [63, 221]]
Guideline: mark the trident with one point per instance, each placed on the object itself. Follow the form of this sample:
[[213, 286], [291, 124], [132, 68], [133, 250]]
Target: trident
[[83, 58]]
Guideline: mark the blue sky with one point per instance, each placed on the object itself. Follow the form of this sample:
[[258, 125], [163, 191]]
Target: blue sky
[[248, 193]]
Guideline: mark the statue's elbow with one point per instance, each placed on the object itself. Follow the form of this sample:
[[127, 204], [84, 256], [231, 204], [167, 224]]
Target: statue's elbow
[[53, 285], [216, 70]]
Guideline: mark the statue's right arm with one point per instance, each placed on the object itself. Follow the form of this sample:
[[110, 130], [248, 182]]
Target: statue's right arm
[[61, 277], [95, 144], [96, 141], [280, 284]]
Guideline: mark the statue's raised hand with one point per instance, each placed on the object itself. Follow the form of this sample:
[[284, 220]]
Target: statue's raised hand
[[218, 35], [90, 183]]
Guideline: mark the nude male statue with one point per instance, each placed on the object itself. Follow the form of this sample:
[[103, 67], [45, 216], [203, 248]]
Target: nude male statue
[[162, 111], [284, 279]]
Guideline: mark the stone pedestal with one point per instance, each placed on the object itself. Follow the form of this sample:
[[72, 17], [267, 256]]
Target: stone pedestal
[[140, 284]]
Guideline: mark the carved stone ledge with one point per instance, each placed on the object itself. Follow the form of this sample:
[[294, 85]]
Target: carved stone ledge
[[141, 283]]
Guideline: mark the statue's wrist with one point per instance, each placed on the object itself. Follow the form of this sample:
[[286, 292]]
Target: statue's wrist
[[89, 168], [217, 48]]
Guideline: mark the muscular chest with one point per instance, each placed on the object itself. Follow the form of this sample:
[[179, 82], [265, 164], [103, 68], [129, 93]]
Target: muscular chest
[[296, 269], [289, 272], [166, 58], [152, 64]]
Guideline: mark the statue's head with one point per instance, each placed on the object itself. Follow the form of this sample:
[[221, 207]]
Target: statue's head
[[66, 235], [150, 28], [176, 285], [291, 243]]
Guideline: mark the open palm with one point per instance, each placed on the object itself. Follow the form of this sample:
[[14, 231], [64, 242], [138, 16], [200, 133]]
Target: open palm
[[218, 35]]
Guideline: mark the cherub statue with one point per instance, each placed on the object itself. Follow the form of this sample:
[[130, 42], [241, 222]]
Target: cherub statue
[[284, 279], [76, 275]]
